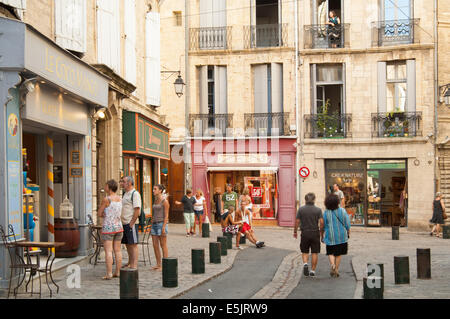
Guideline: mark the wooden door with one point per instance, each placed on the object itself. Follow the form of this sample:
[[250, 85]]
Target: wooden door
[[175, 188]]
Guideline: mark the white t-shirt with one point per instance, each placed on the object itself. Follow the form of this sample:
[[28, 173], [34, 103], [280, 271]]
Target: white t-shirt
[[198, 206], [128, 207]]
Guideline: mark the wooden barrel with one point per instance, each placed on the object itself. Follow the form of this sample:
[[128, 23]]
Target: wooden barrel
[[66, 230]]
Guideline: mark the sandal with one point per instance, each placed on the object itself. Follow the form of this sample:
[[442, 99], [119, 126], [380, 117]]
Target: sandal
[[116, 276], [157, 268], [333, 271], [125, 266], [107, 277]]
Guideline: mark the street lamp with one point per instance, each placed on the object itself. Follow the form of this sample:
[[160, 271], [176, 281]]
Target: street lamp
[[178, 84], [445, 95]]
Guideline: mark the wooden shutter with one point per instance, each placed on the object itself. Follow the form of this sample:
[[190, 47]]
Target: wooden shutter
[[277, 87], [382, 96], [411, 85], [220, 89], [108, 34], [260, 88], [130, 41], [219, 14], [203, 88], [206, 18], [70, 24], [152, 59], [313, 79]]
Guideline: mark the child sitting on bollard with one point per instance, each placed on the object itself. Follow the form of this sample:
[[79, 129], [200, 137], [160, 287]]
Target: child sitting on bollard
[[229, 225], [246, 229]]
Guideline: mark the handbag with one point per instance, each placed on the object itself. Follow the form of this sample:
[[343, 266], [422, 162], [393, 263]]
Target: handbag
[[444, 215], [348, 235]]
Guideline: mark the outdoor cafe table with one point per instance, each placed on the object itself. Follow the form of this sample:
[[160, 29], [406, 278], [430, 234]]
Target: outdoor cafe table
[[48, 265]]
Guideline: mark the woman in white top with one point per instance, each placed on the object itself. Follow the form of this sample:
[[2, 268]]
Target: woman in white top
[[199, 209]]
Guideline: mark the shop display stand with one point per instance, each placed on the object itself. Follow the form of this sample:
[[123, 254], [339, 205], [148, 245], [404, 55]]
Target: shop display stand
[[374, 212]]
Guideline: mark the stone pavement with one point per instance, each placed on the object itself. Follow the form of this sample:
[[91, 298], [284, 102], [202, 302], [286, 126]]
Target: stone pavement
[[366, 245]]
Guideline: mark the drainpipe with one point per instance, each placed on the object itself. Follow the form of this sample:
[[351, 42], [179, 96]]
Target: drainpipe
[[297, 113], [436, 91], [187, 149]]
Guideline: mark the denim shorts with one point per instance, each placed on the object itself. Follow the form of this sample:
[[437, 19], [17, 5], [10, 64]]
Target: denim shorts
[[157, 229], [198, 213]]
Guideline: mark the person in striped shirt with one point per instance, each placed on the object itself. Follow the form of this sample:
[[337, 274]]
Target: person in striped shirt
[[337, 232]]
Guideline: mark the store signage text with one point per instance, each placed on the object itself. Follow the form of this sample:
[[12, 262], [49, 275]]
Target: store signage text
[[242, 158], [347, 175]]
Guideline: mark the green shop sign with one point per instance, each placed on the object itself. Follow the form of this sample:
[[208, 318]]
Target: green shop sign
[[144, 137]]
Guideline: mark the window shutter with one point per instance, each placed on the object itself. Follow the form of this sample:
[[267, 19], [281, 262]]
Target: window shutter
[[130, 41], [206, 17], [411, 85], [153, 67], [382, 87], [19, 5], [219, 14], [70, 23], [220, 89], [203, 88], [108, 34], [260, 90], [313, 80], [277, 87]]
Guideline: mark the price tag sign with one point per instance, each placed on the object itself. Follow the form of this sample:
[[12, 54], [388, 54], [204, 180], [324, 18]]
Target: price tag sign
[[256, 192], [304, 172]]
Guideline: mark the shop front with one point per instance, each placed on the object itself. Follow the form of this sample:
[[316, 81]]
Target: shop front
[[146, 153], [50, 96], [265, 167], [375, 191]]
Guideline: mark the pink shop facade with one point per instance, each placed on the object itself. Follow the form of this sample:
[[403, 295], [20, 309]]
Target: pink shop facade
[[265, 167]]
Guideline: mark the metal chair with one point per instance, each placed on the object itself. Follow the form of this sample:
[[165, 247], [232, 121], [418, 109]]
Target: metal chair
[[17, 262], [145, 242], [96, 240]]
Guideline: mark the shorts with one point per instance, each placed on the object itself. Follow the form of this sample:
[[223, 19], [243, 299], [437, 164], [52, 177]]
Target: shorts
[[310, 241], [130, 236], [198, 213], [232, 229], [337, 250], [157, 229], [112, 237], [245, 228]]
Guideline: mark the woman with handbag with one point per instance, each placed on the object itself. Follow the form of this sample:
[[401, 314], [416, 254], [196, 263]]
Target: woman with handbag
[[438, 214], [337, 232]]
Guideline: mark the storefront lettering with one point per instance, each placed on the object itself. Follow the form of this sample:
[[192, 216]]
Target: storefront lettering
[[243, 158], [347, 175], [53, 110], [73, 76]]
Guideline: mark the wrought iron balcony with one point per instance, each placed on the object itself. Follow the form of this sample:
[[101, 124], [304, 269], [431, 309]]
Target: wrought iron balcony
[[394, 32], [323, 36], [265, 35], [267, 124], [208, 125], [328, 126], [401, 124], [210, 38]]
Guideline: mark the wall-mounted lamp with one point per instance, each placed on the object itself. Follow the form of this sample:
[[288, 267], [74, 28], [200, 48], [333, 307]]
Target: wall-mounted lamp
[[27, 86], [99, 114], [444, 93], [178, 84]]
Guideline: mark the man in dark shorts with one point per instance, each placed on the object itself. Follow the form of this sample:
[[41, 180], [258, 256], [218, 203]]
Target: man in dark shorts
[[310, 220]]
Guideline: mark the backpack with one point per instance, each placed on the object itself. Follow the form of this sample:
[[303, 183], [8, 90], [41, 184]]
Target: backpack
[[141, 218]]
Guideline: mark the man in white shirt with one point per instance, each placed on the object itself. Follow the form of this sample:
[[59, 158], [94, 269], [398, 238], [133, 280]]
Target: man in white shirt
[[131, 209], [339, 194]]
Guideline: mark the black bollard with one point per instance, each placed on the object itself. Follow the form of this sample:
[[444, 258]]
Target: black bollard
[[395, 232], [129, 283], [214, 253], [223, 245], [242, 240], [229, 237], [423, 263], [205, 230], [372, 290], [376, 270], [198, 261], [401, 270], [446, 232], [170, 272]]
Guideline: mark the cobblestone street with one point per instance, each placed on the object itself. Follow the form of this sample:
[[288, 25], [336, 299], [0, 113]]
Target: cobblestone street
[[366, 245]]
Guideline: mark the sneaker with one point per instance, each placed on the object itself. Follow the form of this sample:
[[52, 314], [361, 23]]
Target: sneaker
[[312, 273], [305, 270], [192, 234], [259, 244], [188, 235], [239, 248]]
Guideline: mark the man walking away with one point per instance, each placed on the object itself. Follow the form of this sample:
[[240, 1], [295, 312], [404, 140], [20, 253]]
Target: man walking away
[[310, 220], [339, 194], [131, 209]]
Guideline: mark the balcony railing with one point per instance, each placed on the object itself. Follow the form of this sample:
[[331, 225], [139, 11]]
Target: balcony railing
[[267, 124], [206, 125], [322, 36], [394, 32], [402, 124], [328, 126], [265, 35], [210, 38]]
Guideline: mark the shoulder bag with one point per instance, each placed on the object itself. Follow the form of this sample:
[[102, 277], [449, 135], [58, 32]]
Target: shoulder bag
[[348, 235]]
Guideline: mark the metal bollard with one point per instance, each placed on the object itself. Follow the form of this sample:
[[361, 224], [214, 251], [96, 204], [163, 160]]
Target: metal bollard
[[223, 245], [375, 270], [446, 232], [371, 290], [401, 270], [242, 240], [423, 263], [198, 261], [229, 237], [214, 252], [205, 230], [170, 272], [129, 283], [395, 232]]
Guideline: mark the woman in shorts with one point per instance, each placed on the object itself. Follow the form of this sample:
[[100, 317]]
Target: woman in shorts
[[160, 219], [199, 210], [337, 231], [112, 230]]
